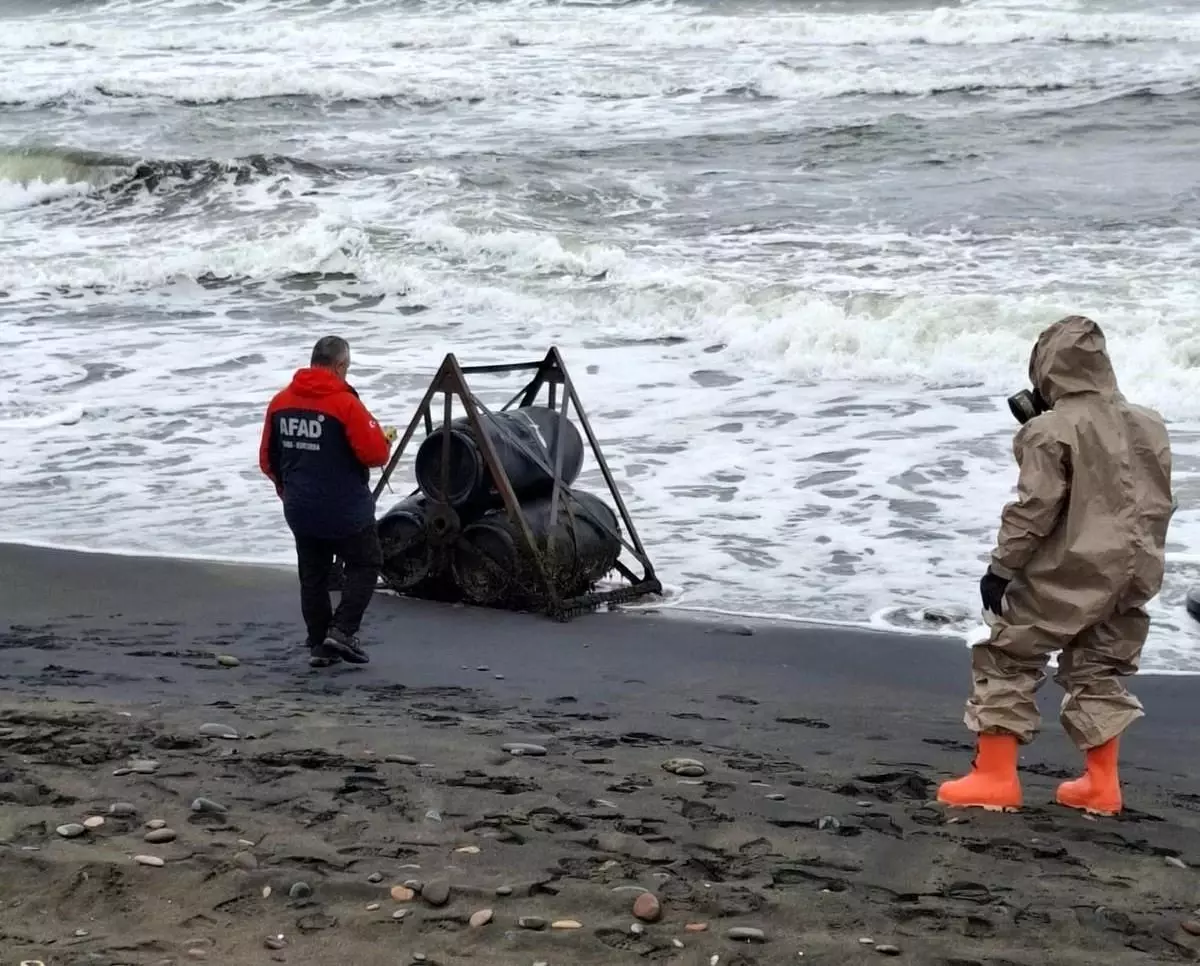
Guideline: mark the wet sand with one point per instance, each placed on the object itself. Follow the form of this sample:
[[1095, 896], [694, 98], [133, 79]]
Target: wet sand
[[812, 822]]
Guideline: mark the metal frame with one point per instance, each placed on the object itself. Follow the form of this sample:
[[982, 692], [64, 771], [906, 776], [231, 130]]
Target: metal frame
[[551, 372]]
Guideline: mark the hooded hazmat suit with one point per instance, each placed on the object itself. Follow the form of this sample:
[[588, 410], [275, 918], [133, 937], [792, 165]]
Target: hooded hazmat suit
[[1083, 547]]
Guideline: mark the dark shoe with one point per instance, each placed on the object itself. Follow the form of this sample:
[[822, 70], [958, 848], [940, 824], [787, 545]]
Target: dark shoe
[[322, 656], [346, 647]]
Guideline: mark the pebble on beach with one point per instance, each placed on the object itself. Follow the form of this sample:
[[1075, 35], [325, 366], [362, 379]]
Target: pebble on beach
[[523, 748], [122, 810], [536, 923], [150, 860], [403, 894], [228, 660], [71, 830], [214, 730], [747, 934], [684, 767], [647, 907], [93, 822], [566, 924], [300, 890], [436, 893], [160, 836], [480, 918]]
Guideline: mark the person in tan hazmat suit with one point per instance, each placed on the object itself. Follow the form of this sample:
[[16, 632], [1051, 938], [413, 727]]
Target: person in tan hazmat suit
[[1079, 553]]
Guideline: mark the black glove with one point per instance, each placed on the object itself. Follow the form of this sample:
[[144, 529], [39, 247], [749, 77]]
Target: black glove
[[991, 589]]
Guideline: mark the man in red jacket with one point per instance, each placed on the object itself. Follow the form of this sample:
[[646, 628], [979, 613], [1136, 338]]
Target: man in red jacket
[[318, 444]]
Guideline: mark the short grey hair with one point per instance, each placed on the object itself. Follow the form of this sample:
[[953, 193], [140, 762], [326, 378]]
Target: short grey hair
[[329, 351]]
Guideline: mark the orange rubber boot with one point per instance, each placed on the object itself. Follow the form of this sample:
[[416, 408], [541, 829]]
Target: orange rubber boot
[[993, 782], [1098, 792]]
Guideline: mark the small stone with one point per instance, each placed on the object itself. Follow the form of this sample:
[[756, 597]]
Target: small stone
[[207, 805], [419, 957], [696, 927], [272, 942], [747, 934], [436, 893], [637, 929], [198, 953], [94, 822], [1191, 927], [864, 804], [80, 933], [828, 822], [403, 894], [372, 906], [399, 914], [118, 772], [887, 949], [402, 759], [151, 860], [499, 677], [566, 924], [677, 943], [469, 850], [266, 892], [228, 660], [122, 810], [536, 923], [776, 797], [523, 748], [143, 766], [1176, 862], [72, 830], [214, 730], [245, 860], [713, 960], [156, 823], [300, 890], [684, 767], [480, 918], [504, 890], [160, 836], [647, 908], [433, 815], [956, 820], [375, 877], [483, 667], [867, 941]]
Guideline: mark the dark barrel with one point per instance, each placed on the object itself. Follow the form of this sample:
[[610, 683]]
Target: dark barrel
[[492, 567], [1193, 602], [412, 563], [516, 434]]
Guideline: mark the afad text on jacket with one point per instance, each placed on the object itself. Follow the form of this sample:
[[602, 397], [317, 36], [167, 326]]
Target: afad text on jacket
[[318, 443]]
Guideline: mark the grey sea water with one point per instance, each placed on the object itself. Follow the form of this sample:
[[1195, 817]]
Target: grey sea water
[[795, 255]]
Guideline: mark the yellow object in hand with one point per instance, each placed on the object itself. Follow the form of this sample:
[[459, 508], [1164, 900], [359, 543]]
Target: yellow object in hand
[[390, 433]]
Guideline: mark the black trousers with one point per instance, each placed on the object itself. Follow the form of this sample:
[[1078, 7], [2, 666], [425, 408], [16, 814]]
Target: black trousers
[[362, 557]]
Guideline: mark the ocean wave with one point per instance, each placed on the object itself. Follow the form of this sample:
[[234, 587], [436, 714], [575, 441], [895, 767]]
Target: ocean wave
[[285, 29], [49, 173]]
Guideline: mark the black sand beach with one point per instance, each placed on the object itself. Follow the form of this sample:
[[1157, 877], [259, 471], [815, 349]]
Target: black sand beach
[[812, 822]]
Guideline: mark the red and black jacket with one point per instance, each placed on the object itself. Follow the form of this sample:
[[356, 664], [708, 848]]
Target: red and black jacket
[[318, 442]]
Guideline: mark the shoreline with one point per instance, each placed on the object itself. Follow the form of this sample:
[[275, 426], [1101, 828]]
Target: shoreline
[[701, 614], [812, 822]]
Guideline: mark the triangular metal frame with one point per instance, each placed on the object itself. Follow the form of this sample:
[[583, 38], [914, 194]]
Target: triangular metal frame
[[450, 381]]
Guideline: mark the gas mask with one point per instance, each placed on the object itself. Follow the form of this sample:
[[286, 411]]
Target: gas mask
[[1026, 404]]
